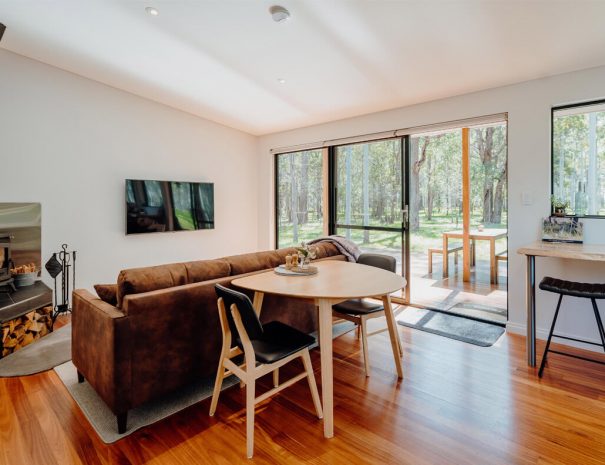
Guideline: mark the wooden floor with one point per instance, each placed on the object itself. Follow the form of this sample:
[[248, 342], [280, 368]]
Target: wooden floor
[[458, 404]]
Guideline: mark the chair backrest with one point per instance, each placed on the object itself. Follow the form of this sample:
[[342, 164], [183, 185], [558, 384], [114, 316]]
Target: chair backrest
[[250, 320], [386, 262]]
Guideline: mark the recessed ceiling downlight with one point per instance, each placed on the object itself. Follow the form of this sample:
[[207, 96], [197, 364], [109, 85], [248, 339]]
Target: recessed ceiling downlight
[[279, 13], [152, 11]]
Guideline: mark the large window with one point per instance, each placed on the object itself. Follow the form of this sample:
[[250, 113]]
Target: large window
[[578, 158], [299, 197]]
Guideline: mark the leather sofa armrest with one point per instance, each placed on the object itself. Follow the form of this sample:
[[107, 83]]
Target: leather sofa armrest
[[101, 349]]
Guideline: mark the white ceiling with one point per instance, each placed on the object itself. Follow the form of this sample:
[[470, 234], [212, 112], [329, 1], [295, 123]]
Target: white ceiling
[[221, 59]]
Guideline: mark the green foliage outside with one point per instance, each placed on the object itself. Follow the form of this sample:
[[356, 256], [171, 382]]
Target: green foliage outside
[[368, 180], [579, 160], [429, 235]]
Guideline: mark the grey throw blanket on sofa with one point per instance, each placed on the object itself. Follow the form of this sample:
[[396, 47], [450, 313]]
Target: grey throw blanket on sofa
[[346, 247]]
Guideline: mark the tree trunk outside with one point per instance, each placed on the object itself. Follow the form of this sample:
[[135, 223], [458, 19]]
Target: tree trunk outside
[[366, 192], [499, 196], [430, 191], [303, 191], [485, 145], [418, 157], [294, 199], [348, 181]]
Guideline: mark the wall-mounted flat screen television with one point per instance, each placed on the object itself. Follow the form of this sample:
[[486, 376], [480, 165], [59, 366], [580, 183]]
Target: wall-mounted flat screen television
[[158, 206]]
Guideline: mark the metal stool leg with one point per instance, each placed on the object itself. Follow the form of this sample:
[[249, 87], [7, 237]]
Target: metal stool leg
[[552, 329], [599, 322]]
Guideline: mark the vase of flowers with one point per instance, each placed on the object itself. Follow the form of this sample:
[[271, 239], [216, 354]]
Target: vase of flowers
[[306, 253]]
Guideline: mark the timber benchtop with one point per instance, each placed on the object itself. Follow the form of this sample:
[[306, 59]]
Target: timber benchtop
[[593, 252]]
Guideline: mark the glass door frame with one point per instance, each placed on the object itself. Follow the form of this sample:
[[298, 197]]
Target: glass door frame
[[330, 224], [333, 225]]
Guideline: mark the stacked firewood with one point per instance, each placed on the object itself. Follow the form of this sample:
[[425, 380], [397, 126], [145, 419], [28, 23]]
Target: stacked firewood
[[25, 329], [24, 269]]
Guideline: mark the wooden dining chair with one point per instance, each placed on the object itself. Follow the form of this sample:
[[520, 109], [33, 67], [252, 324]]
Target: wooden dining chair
[[265, 347], [359, 311]]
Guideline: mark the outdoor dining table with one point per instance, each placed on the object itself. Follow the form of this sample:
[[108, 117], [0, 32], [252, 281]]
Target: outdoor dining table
[[334, 282], [491, 235]]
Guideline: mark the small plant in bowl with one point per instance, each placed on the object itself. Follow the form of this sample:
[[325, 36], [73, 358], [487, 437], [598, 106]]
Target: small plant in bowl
[[307, 253], [559, 206]]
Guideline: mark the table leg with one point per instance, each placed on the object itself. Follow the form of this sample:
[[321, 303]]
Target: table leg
[[473, 249], [327, 378], [492, 261], [446, 262], [394, 334], [531, 310], [257, 303]]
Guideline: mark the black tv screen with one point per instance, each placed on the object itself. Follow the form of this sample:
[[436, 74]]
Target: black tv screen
[[158, 206]]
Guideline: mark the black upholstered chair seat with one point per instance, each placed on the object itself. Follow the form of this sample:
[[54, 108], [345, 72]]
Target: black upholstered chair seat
[[358, 307], [279, 341], [573, 289], [585, 290]]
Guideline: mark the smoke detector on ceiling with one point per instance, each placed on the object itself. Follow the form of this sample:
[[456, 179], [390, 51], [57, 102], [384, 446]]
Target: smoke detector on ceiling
[[279, 13]]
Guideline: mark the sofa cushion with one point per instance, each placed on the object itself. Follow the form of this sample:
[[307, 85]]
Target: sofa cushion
[[153, 278], [256, 261], [205, 270], [107, 293]]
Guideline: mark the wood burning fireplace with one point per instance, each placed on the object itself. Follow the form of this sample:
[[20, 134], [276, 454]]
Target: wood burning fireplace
[[6, 281]]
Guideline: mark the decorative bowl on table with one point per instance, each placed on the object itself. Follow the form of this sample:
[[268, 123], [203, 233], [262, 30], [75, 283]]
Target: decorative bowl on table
[[295, 270]]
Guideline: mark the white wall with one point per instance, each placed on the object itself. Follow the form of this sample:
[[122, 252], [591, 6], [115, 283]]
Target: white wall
[[69, 143], [528, 105]]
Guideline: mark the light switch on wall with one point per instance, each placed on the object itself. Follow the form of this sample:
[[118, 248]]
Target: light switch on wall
[[527, 198]]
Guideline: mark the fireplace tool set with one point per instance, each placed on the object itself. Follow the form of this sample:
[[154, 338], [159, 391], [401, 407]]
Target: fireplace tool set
[[62, 263]]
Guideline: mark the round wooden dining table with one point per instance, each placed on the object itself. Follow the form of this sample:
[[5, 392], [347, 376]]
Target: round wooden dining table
[[335, 282]]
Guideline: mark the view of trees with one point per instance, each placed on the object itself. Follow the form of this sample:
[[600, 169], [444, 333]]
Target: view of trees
[[299, 196], [579, 159], [436, 176], [368, 182]]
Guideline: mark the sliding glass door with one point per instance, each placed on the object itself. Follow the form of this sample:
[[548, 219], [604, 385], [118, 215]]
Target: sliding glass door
[[458, 189], [451, 248], [368, 193]]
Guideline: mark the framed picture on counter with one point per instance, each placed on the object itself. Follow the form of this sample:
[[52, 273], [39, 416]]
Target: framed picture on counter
[[562, 229]]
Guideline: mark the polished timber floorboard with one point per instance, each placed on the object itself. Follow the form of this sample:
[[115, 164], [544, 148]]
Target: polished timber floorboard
[[457, 404]]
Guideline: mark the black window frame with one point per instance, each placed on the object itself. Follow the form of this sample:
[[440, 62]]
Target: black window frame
[[552, 149], [276, 156]]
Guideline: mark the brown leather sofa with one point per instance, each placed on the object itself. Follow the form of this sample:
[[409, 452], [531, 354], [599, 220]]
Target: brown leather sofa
[[157, 329]]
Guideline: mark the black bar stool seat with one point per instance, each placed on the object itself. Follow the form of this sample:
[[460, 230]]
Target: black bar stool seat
[[573, 289], [585, 290]]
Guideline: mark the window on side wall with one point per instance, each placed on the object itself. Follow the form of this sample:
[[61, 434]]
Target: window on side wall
[[578, 157]]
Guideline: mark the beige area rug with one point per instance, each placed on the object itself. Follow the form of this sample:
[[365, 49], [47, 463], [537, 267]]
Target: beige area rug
[[42, 355], [103, 420]]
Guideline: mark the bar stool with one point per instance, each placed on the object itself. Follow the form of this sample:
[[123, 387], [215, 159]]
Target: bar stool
[[570, 288]]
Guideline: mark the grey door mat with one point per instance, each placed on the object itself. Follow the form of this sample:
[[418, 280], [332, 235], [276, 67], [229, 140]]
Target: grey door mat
[[41, 355], [483, 308], [455, 327], [486, 313], [103, 420]]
